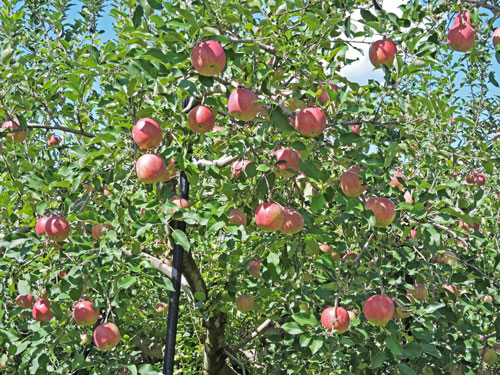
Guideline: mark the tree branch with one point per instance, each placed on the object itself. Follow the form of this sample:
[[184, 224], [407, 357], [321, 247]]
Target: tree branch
[[164, 269], [264, 46], [61, 128], [253, 335], [484, 4], [222, 162]]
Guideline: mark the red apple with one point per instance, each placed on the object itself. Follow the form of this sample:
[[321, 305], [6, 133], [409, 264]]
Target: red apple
[[470, 178], [487, 298], [291, 159], [201, 119], [15, 136], [40, 225], [41, 310], [324, 94], [238, 167], [335, 318], [106, 336], [396, 178], [384, 210], [355, 129], [254, 268], [242, 104], [147, 133], [57, 228], [461, 36], [419, 292], [379, 309], [208, 58], [237, 217], [413, 233], [244, 303], [96, 231], [382, 52], [151, 168], [351, 184], [479, 179], [61, 274], [293, 221], [328, 250], [448, 257], [180, 203], [25, 301], [269, 217], [310, 122], [53, 141], [496, 37], [85, 314]]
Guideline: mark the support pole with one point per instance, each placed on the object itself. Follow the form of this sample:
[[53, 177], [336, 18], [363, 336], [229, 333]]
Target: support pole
[[173, 306]]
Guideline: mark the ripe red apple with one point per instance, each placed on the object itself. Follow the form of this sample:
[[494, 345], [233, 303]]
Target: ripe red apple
[[413, 233], [489, 355], [238, 167], [244, 303], [201, 119], [293, 221], [15, 136], [25, 301], [324, 94], [161, 307], [382, 52], [461, 36], [419, 292], [396, 178], [379, 309], [61, 274], [496, 37], [335, 318], [254, 268], [180, 203], [384, 210], [57, 228], [41, 310], [310, 122], [40, 225], [487, 298], [106, 336], [96, 231], [147, 133], [479, 179], [242, 104], [351, 184], [237, 217], [53, 141], [448, 257], [269, 217], [208, 58], [292, 161], [355, 129], [151, 168], [85, 314]]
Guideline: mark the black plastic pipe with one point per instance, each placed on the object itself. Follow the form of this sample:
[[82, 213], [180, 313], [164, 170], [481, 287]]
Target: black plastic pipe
[[173, 306]]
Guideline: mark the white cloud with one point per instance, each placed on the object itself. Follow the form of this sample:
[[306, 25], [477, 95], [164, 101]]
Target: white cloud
[[362, 70]]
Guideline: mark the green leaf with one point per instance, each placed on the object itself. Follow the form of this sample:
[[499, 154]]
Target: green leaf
[[137, 17], [377, 360], [405, 369], [280, 120], [412, 350], [304, 318], [394, 346], [23, 287], [310, 169], [292, 328], [432, 350], [181, 238], [316, 344], [318, 201], [497, 327], [126, 282]]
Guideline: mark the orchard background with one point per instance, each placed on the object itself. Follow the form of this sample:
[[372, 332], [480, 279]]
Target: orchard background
[[431, 119]]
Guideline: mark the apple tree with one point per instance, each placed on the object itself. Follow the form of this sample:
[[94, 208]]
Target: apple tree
[[329, 226]]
